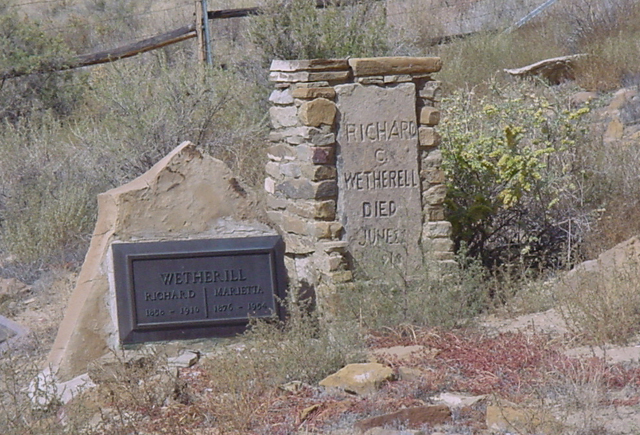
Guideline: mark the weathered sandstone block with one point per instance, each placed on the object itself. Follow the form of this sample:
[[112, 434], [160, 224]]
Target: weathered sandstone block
[[281, 97], [326, 230], [288, 222], [435, 213], [431, 90], [432, 159], [281, 152], [310, 93], [394, 65], [283, 116], [437, 229], [316, 155], [301, 188], [435, 195], [433, 175], [309, 65], [306, 76], [320, 210], [317, 172], [317, 112], [429, 137], [429, 116], [397, 78]]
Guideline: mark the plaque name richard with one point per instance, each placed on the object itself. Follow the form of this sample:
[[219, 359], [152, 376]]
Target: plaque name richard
[[196, 288]]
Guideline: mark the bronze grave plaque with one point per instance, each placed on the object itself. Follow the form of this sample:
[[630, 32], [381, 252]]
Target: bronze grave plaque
[[196, 288]]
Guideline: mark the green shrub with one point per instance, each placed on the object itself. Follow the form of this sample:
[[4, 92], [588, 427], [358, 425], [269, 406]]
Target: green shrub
[[514, 175], [295, 29], [26, 50]]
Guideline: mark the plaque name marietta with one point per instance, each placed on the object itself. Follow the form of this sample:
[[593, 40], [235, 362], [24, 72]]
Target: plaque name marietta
[[196, 288]]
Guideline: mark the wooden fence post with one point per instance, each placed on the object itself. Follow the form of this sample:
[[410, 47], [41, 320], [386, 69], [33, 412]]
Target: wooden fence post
[[202, 53], [202, 30]]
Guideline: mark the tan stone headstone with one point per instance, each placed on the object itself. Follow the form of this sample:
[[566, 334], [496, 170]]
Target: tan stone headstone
[[185, 195], [379, 200]]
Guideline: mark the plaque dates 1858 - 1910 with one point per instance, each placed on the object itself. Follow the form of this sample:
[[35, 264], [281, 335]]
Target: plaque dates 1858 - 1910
[[196, 288]]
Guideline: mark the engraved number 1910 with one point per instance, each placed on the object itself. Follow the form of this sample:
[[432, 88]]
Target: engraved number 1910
[[189, 310]]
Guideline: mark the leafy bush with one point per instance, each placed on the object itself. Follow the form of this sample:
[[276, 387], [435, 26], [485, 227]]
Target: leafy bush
[[514, 175], [295, 29], [26, 50]]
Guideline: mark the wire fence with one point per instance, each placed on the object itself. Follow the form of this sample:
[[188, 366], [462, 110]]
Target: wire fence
[[93, 25]]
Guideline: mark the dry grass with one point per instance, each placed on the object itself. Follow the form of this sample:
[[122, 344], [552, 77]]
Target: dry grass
[[131, 115], [602, 306], [437, 294]]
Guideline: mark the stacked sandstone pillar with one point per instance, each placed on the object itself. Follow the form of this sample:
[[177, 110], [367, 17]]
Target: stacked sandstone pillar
[[302, 182]]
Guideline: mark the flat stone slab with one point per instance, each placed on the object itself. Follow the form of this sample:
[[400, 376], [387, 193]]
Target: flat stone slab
[[359, 379], [379, 200], [380, 66], [432, 415], [309, 65]]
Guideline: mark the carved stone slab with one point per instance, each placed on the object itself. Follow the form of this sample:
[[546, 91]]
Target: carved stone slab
[[378, 178]]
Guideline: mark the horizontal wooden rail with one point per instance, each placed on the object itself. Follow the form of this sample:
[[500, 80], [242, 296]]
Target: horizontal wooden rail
[[105, 56], [142, 46]]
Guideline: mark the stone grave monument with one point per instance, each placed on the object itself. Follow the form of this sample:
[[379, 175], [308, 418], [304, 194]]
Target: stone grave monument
[[185, 251], [181, 252], [354, 170]]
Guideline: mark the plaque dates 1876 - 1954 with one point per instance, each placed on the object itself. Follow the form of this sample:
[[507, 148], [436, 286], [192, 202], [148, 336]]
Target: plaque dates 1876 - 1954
[[196, 288]]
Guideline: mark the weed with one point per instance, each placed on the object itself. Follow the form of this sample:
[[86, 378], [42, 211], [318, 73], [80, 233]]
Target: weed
[[437, 294], [26, 49], [482, 57], [133, 115], [297, 30], [607, 31], [600, 301], [19, 367], [302, 350]]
